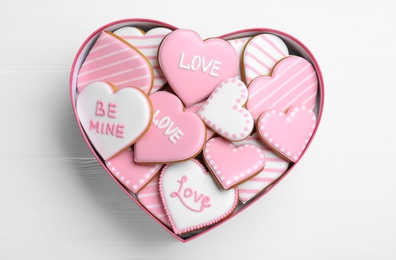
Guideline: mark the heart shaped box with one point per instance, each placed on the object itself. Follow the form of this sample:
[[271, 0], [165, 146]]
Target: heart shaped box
[[295, 47]]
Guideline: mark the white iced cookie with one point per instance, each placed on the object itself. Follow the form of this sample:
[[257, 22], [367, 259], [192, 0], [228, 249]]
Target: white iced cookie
[[112, 120], [223, 111], [191, 197]]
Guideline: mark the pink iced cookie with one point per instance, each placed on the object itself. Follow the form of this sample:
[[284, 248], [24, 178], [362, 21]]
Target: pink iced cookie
[[113, 60], [191, 197], [261, 53], [194, 67], [239, 46], [223, 111], [150, 198], [147, 43], [274, 167], [173, 136], [293, 81], [194, 109], [132, 175], [288, 134], [113, 121], [231, 164]]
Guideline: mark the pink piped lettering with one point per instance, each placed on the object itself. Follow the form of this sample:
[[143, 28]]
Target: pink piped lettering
[[199, 203], [112, 110], [120, 131], [100, 111]]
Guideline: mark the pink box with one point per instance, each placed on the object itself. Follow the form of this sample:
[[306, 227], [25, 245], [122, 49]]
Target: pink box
[[294, 45]]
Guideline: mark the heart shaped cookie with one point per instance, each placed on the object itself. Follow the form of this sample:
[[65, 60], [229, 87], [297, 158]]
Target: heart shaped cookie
[[224, 112], [195, 67], [113, 121], [275, 166], [293, 81], [260, 55], [114, 60], [134, 176], [288, 134], [147, 43], [173, 136], [192, 198]]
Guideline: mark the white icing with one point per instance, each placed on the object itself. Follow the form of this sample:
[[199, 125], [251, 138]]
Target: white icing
[[112, 121], [221, 201]]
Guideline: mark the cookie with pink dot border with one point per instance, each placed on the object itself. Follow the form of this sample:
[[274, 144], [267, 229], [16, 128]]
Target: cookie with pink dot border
[[233, 164], [288, 134], [223, 111], [132, 175], [194, 67], [191, 197]]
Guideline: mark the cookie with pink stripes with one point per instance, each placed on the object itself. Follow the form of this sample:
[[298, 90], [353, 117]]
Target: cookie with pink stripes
[[223, 111], [274, 167], [261, 53], [239, 46], [292, 82], [132, 175], [287, 134], [113, 60], [147, 43], [150, 198], [232, 164]]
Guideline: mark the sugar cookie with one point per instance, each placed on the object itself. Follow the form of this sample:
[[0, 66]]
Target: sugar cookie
[[132, 175], [191, 197], [113, 60], [239, 46], [194, 67], [173, 136], [232, 164], [224, 113], [261, 53], [148, 44], [150, 198], [113, 121], [293, 81], [288, 134], [274, 167]]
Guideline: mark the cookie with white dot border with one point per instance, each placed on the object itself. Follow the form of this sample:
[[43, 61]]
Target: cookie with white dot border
[[232, 164], [288, 134]]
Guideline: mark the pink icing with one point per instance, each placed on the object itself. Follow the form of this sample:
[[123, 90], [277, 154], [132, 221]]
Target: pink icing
[[232, 164], [293, 81], [194, 67], [194, 109], [173, 136], [288, 134], [117, 62], [132, 175], [150, 198]]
